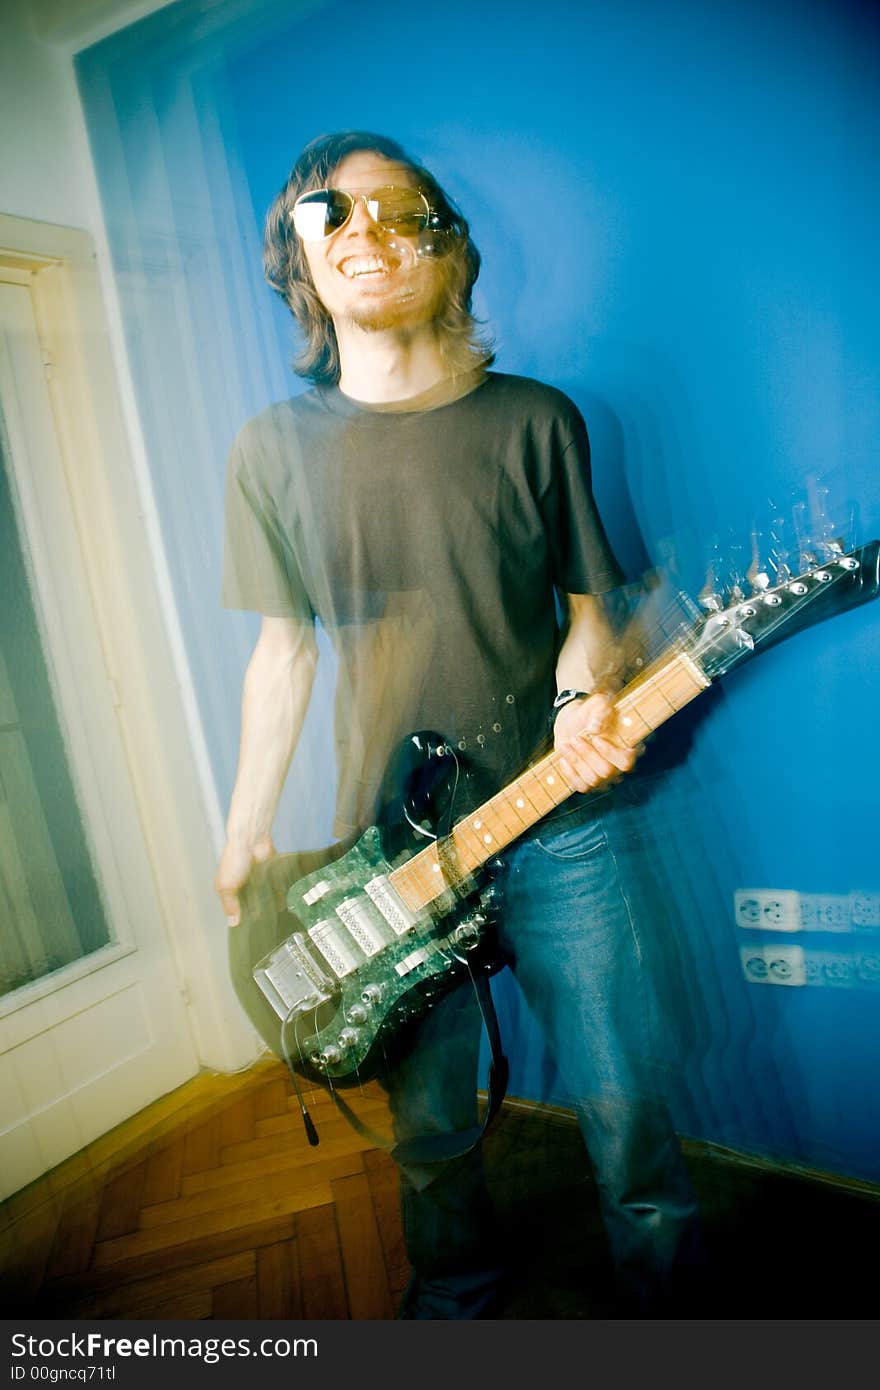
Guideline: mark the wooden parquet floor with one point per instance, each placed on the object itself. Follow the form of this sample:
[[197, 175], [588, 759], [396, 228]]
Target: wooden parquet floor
[[211, 1204], [216, 1209]]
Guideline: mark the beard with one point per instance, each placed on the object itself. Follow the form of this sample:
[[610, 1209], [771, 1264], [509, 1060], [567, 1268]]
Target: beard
[[419, 300]]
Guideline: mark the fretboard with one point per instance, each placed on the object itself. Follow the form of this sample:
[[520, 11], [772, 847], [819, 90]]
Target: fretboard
[[660, 691]]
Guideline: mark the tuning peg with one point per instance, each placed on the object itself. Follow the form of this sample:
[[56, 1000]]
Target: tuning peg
[[758, 572], [725, 582], [737, 582], [826, 542], [808, 553], [710, 597], [770, 553], [822, 524]]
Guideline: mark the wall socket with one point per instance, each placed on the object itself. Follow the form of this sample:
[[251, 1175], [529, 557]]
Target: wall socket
[[865, 910], [825, 912], [774, 964], [786, 964], [867, 964], [773, 909], [786, 910]]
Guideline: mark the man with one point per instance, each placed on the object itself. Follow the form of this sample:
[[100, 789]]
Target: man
[[436, 517]]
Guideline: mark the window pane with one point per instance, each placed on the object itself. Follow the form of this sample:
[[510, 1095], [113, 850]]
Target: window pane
[[50, 902]]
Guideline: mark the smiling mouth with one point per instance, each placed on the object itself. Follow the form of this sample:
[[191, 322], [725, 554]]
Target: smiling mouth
[[367, 267]]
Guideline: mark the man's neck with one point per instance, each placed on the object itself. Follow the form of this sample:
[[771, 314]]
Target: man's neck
[[383, 366]]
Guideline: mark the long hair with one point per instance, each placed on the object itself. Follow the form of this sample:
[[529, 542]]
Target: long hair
[[287, 271]]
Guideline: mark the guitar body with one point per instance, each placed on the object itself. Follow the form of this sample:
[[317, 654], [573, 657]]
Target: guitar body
[[362, 971]]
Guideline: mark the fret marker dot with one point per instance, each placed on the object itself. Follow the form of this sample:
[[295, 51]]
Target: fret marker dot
[[487, 839], [626, 721], [520, 803], [436, 868], [551, 780], [478, 825]]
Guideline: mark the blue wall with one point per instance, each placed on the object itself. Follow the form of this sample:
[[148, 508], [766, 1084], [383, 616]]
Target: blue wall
[[704, 288]]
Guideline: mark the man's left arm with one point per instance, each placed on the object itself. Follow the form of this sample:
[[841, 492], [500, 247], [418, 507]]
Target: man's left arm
[[586, 733]]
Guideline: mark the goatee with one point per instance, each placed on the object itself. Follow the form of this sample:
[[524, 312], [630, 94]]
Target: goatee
[[416, 303]]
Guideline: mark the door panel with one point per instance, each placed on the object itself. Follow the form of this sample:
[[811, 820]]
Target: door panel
[[93, 1022]]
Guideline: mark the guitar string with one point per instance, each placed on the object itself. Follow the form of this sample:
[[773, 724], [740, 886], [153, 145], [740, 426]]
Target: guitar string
[[649, 682]]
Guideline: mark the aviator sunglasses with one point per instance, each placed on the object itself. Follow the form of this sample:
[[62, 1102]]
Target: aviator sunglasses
[[322, 212]]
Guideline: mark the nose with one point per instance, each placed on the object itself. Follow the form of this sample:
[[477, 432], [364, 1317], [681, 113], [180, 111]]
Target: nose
[[361, 222]]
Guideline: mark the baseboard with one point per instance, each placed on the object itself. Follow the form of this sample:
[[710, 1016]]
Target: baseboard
[[694, 1147]]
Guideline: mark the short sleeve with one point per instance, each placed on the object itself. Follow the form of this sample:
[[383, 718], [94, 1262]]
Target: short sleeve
[[583, 561], [260, 569]]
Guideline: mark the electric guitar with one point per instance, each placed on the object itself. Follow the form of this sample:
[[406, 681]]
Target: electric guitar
[[383, 939]]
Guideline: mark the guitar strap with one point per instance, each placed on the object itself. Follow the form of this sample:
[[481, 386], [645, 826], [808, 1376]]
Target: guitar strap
[[439, 1148]]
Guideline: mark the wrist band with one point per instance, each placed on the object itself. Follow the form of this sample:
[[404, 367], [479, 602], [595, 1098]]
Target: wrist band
[[565, 697]]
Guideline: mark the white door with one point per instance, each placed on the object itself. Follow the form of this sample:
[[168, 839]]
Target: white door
[[93, 1022]]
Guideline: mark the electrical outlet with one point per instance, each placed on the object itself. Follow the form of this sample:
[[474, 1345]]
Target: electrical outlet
[[780, 911], [785, 965], [754, 966], [774, 909], [825, 912], [842, 970], [831, 969], [838, 969], [814, 967], [867, 966], [747, 907], [806, 914], [864, 909], [774, 964], [786, 910]]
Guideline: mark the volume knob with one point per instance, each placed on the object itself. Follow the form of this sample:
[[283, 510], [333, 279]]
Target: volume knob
[[467, 935]]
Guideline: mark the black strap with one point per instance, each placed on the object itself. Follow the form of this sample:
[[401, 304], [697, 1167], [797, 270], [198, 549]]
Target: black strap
[[564, 698], [439, 1148]]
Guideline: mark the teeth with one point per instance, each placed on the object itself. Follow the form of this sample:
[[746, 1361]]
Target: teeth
[[364, 265]]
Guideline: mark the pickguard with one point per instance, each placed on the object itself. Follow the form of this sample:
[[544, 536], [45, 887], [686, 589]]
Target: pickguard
[[362, 968]]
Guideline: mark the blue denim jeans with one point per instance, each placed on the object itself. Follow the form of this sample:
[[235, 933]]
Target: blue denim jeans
[[576, 911]]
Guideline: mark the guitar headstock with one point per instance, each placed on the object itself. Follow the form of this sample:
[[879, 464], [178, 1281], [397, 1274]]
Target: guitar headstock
[[738, 626]]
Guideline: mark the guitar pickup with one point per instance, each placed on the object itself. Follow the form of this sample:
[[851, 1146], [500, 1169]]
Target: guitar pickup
[[390, 904], [316, 892], [403, 967], [336, 946], [357, 917]]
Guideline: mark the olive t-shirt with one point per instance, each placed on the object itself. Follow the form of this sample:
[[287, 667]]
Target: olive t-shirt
[[428, 538]]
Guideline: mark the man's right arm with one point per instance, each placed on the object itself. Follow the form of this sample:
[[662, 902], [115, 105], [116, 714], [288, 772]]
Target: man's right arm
[[277, 686]]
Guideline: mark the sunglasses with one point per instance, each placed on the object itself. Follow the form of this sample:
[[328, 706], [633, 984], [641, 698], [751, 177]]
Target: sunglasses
[[322, 212]]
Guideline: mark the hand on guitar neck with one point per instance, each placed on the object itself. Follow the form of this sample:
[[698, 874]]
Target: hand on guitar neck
[[586, 736]]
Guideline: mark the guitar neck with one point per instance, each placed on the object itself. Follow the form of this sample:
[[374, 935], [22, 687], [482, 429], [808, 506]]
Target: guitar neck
[[658, 692]]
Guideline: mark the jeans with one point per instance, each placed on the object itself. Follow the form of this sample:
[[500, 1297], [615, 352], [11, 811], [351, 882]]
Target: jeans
[[576, 906]]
